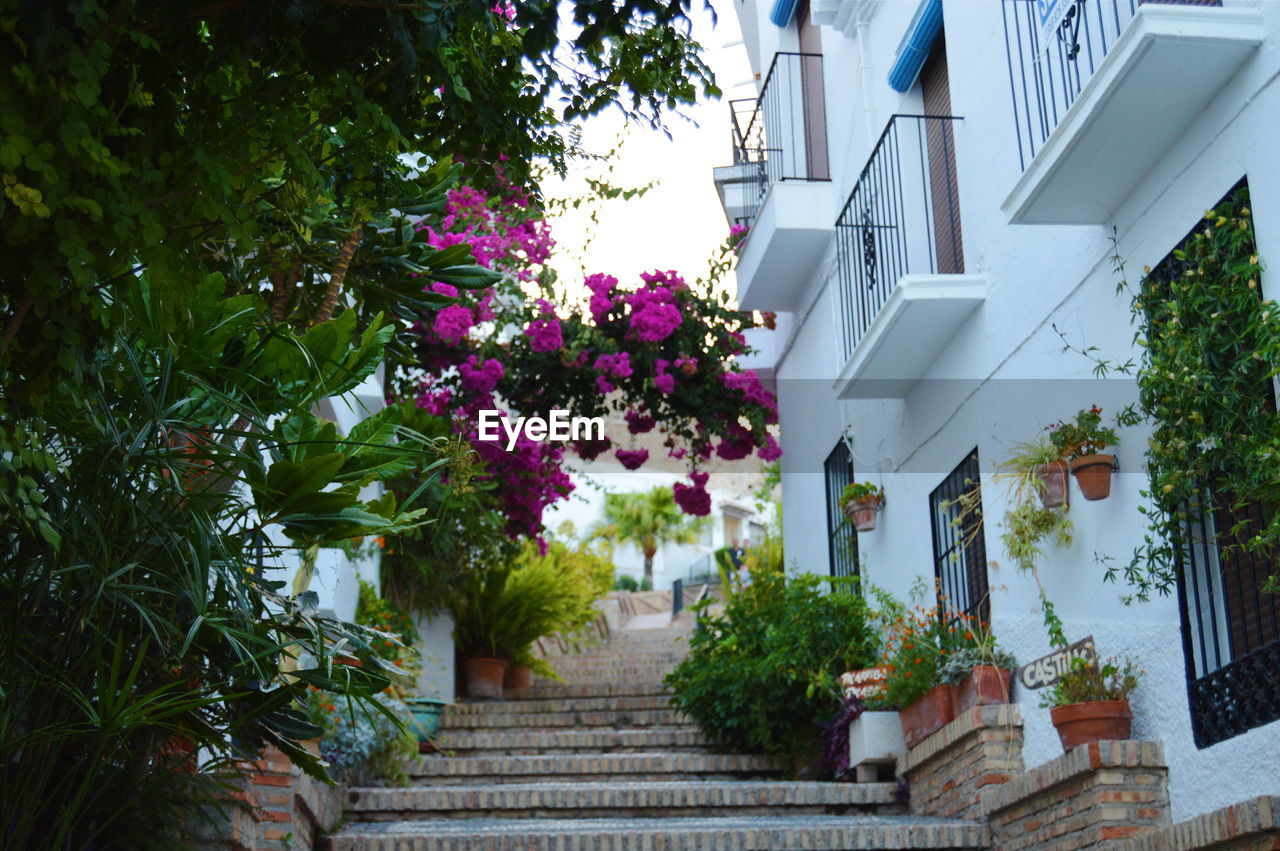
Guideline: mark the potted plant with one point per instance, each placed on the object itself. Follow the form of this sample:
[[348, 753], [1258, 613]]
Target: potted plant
[[913, 655], [980, 671], [1081, 442], [862, 501], [426, 712], [1090, 702]]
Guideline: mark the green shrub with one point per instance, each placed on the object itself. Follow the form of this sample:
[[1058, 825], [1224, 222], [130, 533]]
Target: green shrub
[[626, 582], [763, 675]]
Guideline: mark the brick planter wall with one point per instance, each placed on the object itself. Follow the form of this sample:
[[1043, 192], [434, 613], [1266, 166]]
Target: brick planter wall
[[948, 770], [1091, 797], [274, 808], [1252, 825]]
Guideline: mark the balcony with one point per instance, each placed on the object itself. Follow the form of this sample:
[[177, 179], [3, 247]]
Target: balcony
[[1103, 88], [779, 184], [902, 291]]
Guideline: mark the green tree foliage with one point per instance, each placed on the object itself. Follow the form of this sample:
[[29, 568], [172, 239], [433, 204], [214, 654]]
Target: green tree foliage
[[649, 520], [762, 676], [170, 135]]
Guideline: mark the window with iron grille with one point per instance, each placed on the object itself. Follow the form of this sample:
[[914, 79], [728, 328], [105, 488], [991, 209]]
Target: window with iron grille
[[1230, 626], [959, 552], [842, 540]]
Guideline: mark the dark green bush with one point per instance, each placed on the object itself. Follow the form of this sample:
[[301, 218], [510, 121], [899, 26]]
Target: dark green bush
[[762, 676], [626, 582]]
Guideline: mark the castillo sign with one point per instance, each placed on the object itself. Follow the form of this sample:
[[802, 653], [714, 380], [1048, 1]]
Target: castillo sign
[[1047, 670]]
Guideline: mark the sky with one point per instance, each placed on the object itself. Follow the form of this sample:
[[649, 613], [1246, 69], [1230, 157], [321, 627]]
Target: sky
[[678, 223]]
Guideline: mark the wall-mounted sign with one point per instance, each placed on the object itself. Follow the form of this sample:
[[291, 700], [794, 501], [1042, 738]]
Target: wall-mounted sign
[[1050, 14], [864, 683], [1047, 670]]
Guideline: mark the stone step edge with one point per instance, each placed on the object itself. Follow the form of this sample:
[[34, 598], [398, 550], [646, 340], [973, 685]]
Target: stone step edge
[[725, 834], [703, 794]]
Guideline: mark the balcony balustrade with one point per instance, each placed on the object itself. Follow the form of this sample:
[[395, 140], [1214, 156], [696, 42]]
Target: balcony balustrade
[[901, 289], [779, 184], [1102, 89]]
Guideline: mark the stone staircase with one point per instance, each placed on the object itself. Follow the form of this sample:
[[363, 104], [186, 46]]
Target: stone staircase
[[602, 762]]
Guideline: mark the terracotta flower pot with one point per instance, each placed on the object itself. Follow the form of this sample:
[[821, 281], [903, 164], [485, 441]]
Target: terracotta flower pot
[[1096, 721], [985, 685], [517, 682], [1093, 474], [933, 711], [484, 677], [863, 512], [1054, 492]]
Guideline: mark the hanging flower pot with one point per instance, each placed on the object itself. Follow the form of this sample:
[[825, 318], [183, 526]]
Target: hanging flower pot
[[863, 513], [1093, 474], [484, 677], [1054, 492], [862, 501], [1094, 721]]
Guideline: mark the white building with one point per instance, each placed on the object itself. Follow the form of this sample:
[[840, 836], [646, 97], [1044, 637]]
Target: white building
[[922, 268]]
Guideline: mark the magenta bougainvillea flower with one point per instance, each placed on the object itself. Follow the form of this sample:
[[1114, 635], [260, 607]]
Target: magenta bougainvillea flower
[[632, 459], [545, 333], [664, 347], [693, 499], [452, 323], [638, 423]]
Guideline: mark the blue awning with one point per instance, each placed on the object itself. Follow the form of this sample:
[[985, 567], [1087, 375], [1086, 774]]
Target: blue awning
[[916, 44], [782, 11]]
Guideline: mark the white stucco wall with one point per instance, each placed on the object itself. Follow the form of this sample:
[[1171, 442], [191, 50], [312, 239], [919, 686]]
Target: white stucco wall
[[1004, 376]]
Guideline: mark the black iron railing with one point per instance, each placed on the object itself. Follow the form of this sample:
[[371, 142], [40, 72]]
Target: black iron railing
[[1231, 627], [782, 134], [1048, 69], [902, 217], [677, 597]]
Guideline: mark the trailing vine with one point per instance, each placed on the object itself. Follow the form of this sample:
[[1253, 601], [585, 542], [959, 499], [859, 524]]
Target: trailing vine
[[1211, 347]]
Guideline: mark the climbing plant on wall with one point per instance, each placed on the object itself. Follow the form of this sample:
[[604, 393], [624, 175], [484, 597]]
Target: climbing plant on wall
[[1211, 347]]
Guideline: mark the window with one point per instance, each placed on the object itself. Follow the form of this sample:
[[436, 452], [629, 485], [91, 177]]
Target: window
[[1230, 626], [842, 540], [959, 551]]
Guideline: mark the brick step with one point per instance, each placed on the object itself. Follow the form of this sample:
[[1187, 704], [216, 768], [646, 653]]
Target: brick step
[[549, 705], [601, 689], [553, 720], [621, 800], [834, 833], [588, 768], [648, 671], [572, 741]]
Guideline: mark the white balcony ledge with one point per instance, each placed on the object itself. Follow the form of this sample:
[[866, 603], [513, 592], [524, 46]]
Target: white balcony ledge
[[920, 317], [1158, 77], [785, 244]]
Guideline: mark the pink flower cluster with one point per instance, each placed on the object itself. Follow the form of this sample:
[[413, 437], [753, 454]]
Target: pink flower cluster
[[452, 323], [632, 459], [602, 288], [665, 382], [638, 423], [545, 333], [693, 499], [480, 378], [612, 366], [752, 390], [654, 315]]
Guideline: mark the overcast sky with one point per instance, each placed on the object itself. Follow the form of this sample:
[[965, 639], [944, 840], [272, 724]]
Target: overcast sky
[[679, 222]]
